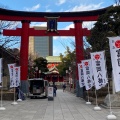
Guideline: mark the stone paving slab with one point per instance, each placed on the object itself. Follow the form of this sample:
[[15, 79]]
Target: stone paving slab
[[66, 106]]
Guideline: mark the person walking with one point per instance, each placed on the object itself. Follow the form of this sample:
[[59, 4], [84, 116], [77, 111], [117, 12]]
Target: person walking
[[54, 90], [64, 87]]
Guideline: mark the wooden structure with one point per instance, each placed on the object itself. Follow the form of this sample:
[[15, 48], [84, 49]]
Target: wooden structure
[[51, 18]]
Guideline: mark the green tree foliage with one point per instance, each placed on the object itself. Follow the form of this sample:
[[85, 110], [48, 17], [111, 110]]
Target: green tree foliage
[[68, 60], [107, 25], [41, 63]]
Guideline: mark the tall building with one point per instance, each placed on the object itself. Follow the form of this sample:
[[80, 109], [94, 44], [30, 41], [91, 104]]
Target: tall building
[[41, 46]]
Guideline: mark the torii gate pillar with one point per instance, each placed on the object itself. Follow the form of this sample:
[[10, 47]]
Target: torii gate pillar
[[24, 55], [78, 43]]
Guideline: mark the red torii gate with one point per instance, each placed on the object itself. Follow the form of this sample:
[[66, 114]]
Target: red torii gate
[[26, 17]]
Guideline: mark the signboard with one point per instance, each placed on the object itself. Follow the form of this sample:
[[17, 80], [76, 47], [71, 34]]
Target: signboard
[[50, 91], [52, 24]]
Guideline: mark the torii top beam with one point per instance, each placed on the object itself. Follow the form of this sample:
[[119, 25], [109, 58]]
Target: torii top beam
[[12, 15]]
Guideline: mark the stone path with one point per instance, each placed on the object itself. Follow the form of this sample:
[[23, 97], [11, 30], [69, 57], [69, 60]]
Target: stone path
[[66, 106]]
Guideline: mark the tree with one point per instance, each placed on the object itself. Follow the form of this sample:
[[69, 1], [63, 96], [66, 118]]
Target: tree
[[107, 25], [41, 63], [8, 41], [68, 60]]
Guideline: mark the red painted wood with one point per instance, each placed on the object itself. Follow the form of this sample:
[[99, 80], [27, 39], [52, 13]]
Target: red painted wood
[[33, 32], [24, 50], [79, 44], [43, 19], [17, 32]]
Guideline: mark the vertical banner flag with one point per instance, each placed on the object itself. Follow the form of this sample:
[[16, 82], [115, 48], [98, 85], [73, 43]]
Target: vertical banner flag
[[11, 69], [114, 43], [99, 69], [0, 72], [81, 75], [16, 76], [88, 74]]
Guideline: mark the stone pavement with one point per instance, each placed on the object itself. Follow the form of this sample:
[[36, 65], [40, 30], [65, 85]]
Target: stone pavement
[[66, 106]]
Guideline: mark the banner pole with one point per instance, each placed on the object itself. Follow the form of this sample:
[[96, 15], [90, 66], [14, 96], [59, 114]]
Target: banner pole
[[2, 108], [14, 103], [19, 99], [14, 94], [96, 107], [1, 62], [88, 102], [110, 116]]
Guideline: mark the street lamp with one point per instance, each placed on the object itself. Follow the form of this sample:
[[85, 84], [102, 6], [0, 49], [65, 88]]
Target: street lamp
[[67, 78], [39, 73], [69, 72], [36, 70]]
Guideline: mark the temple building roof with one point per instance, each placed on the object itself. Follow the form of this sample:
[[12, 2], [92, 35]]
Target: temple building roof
[[52, 70]]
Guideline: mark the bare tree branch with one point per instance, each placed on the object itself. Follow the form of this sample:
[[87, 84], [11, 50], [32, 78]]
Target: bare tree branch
[[8, 41]]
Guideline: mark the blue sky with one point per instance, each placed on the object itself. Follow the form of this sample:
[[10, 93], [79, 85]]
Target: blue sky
[[57, 6]]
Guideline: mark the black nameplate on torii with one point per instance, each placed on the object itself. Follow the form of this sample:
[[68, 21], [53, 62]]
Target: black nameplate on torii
[[51, 24]]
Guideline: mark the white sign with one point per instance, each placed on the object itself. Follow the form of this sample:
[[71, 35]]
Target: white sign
[[50, 91], [114, 43], [81, 75], [88, 74], [99, 69], [11, 69]]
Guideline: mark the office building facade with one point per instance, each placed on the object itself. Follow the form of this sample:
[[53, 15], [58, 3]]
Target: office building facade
[[41, 46]]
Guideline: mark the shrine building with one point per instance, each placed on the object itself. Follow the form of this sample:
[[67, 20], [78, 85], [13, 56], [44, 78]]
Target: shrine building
[[53, 74]]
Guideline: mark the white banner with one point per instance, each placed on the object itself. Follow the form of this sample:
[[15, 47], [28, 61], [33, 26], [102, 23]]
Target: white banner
[[81, 75], [1, 72], [11, 69], [99, 69], [88, 74], [114, 43], [16, 76]]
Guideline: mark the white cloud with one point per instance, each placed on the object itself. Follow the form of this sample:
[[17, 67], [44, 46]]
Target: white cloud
[[85, 7], [69, 26], [60, 2], [88, 25], [48, 10], [43, 24], [33, 8], [66, 28]]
